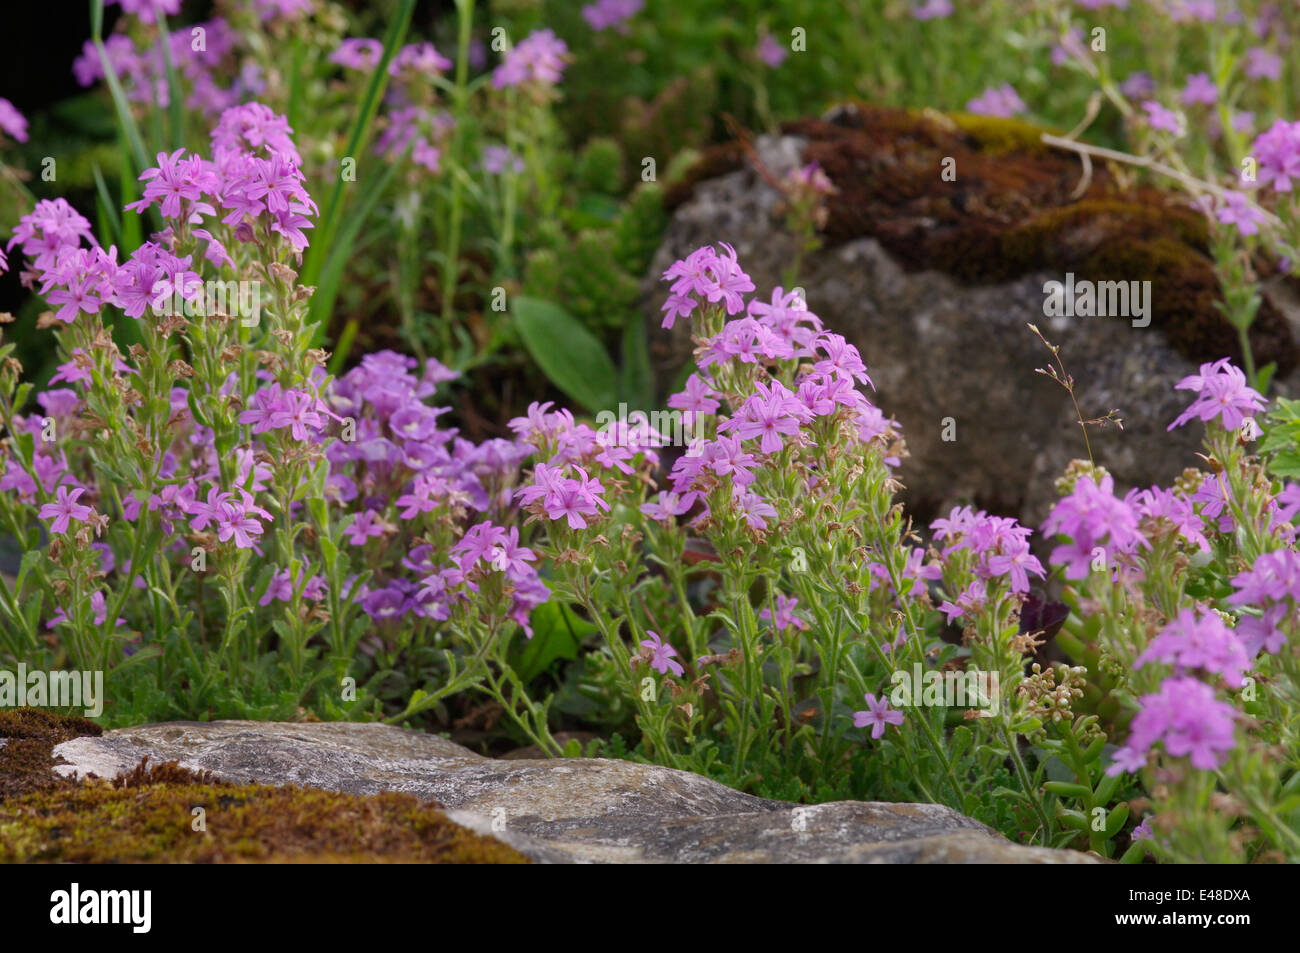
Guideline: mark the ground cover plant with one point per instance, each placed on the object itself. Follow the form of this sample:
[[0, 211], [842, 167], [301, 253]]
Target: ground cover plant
[[266, 453]]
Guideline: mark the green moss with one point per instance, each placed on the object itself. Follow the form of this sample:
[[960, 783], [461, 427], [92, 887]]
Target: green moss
[[146, 816], [25, 757], [151, 821], [640, 228], [600, 166], [998, 136]]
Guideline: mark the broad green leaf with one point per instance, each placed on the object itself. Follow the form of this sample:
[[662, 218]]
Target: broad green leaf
[[636, 381], [557, 634], [567, 353]]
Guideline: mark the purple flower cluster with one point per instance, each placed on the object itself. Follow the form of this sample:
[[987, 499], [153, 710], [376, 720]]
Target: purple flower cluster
[[1164, 120], [419, 58], [359, 53], [1273, 585], [143, 70], [770, 52], [421, 129], [1191, 642], [1237, 210], [1187, 718], [1199, 91], [933, 10], [496, 159], [148, 10], [403, 463], [1278, 152], [1000, 101], [704, 274], [999, 545], [1222, 392], [273, 408], [561, 497], [234, 515], [778, 332], [1095, 520], [604, 14], [538, 58]]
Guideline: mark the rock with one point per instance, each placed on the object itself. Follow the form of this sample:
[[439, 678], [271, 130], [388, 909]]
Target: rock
[[561, 810], [935, 283]]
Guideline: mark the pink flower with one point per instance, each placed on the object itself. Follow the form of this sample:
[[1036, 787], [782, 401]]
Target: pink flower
[[877, 715], [12, 121], [769, 413], [1222, 392], [754, 509], [771, 52], [1263, 64], [662, 658], [65, 508], [366, 525], [359, 53], [933, 10], [1186, 716], [1200, 90], [970, 601], [538, 58], [1000, 101], [785, 617], [1238, 211], [1278, 152], [1189, 642], [1164, 120], [604, 14]]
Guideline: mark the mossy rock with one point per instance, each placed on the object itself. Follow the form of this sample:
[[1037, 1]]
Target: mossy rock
[[147, 815], [1010, 211]]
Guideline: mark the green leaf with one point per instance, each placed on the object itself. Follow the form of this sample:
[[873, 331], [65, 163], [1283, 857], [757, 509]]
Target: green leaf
[[1074, 819], [1066, 789], [1115, 820], [1265, 376], [636, 380], [1106, 789], [30, 559], [323, 241], [1135, 853], [175, 96], [557, 634], [340, 253], [110, 223], [567, 353]]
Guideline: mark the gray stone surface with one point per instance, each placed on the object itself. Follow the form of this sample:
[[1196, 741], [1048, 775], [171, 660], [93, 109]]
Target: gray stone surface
[[562, 810], [936, 348]]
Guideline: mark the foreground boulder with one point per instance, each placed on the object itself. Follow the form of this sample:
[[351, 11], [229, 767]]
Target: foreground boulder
[[560, 810], [935, 281]]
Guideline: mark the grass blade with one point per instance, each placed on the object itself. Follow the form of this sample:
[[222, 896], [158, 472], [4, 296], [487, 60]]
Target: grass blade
[[323, 244]]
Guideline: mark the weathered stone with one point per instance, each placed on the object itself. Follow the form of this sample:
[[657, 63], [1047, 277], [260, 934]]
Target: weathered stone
[[943, 346], [562, 810]]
